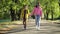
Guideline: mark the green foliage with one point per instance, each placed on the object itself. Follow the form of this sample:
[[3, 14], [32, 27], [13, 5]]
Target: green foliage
[[47, 5]]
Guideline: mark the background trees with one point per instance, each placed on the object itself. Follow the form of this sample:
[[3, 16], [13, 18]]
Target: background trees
[[50, 7]]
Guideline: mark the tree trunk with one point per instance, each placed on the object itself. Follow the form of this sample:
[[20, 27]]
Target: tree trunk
[[47, 15], [12, 13], [52, 15]]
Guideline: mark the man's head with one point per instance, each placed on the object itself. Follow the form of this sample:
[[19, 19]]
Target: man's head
[[25, 6]]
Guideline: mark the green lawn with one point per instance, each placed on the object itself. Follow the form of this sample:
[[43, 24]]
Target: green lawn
[[5, 20]]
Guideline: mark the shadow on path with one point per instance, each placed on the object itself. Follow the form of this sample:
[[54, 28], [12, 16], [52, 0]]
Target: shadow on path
[[14, 31]]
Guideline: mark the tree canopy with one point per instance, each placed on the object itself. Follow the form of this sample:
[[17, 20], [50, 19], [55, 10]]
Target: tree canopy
[[47, 6]]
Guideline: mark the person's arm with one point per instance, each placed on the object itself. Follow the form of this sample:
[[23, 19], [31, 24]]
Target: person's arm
[[28, 12], [41, 11], [33, 12]]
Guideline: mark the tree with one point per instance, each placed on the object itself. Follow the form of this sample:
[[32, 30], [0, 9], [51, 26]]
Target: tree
[[50, 7]]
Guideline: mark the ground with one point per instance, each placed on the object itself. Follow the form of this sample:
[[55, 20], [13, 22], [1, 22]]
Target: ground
[[46, 28]]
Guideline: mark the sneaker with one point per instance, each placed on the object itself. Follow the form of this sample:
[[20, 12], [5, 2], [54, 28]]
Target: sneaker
[[24, 28], [38, 28]]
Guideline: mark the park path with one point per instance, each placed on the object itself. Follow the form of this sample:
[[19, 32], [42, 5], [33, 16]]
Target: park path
[[46, 28]]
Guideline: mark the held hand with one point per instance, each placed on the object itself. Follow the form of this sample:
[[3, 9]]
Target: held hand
[[29, 14]]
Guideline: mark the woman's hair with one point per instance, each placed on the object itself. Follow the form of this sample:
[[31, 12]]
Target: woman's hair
[[38, 4]]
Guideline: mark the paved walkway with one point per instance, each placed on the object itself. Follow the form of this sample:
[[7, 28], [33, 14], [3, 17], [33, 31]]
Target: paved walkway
[[46, 28]]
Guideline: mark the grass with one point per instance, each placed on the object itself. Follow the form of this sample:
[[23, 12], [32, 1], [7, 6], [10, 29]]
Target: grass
[[9, 24], [5, 20]]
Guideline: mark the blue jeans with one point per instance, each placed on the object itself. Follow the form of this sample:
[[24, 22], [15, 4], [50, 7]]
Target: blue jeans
[[37, 18]]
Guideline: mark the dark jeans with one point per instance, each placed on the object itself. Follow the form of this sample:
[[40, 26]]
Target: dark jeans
[[24, 23]]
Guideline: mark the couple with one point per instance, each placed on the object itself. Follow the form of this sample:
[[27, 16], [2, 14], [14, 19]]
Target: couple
[[37, 12]]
